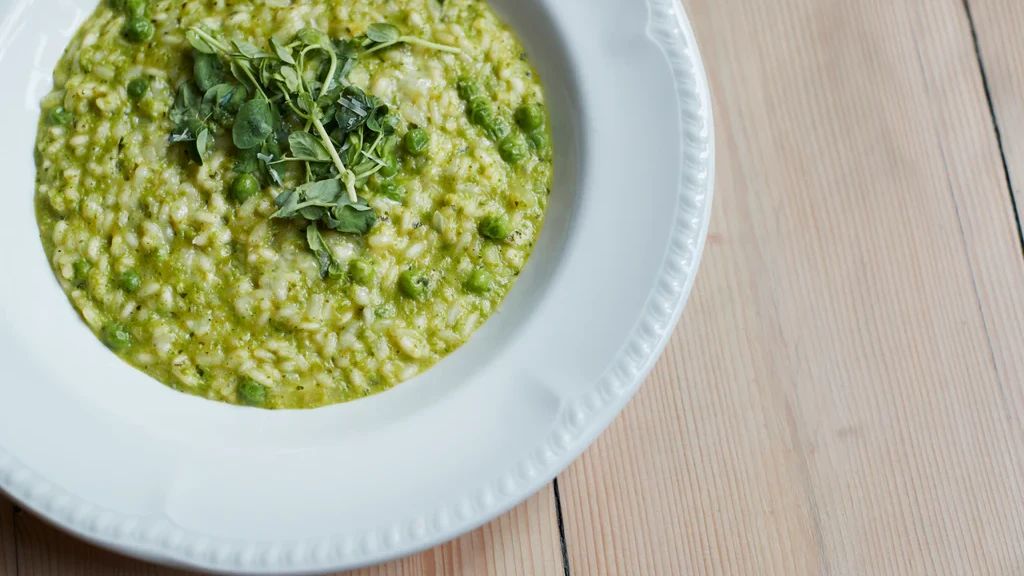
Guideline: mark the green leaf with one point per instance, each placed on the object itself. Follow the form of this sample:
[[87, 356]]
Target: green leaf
[[233, 102], [254, 123], [306, 103], [290, 77], [356, 218], [355, 107], [283, 53], [286, 198], [247, 162], [380, 120], [314, 37], [347, 49], [217, 97], [241, 70], [311, 200], [208, 70], [322, 192], [312, 213], [307, 147], [186, 103], [314, 239], [328, 265], [248, 50], [203, 142], [187, 131], [199, 43], [383, 33]]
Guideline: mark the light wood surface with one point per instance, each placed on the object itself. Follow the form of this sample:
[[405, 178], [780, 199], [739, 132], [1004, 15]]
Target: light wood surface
[[1001, 47], [845, 391], [525, 541], [843, 394]]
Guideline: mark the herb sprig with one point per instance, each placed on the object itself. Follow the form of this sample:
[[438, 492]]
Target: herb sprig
[[296, 92], [383, 35]]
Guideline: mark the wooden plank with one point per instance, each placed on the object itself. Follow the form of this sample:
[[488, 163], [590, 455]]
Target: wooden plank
[[1001, 48], [997, 24], [524, 541], [839, 397], [8, 559]]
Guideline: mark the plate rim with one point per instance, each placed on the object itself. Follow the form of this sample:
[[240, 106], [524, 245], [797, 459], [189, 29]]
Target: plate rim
[[669, 27]]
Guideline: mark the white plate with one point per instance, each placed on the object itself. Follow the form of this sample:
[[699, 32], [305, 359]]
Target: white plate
[[99, 449]]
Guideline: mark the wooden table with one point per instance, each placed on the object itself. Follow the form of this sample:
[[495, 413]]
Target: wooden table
[[845, 391]]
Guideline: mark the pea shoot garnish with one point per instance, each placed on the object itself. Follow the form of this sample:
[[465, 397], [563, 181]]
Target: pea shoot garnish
[[297, 93]]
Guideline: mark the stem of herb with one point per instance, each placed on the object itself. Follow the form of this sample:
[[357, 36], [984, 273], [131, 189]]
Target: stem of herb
[[252, 78], [380, 136], [211, 40], [225, 51], [330, 73], [342, 171], [376, 160], [428, 44], [379, 47], [350, 184], [298, 112], [300, 67]]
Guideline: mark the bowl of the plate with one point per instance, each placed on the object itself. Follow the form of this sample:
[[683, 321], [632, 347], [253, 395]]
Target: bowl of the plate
[[102, 450]]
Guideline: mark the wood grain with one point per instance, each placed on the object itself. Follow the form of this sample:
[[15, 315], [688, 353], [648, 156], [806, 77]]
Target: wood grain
[[840, 396], [524, 541], [998, 24], [1001, 48], [8, 554]]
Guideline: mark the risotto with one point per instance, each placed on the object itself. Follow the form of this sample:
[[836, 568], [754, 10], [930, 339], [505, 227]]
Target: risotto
[[289, 204]]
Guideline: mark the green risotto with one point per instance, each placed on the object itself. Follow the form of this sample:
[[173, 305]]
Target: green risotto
[[289, 204]]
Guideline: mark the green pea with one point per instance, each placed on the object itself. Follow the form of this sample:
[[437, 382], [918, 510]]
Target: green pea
[[130, 281], [391, 190], [412, 284], [530, 117], [360, 270], [513, 149], [417, 141], [494, 227], [469, 89], [80, 272], [480, 111], [244, 187], [541, 143], [138, 30], [116, 336], [497, 128], [135, 8], [59, 116], [137, 88], [479, 281], [251, 392]]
